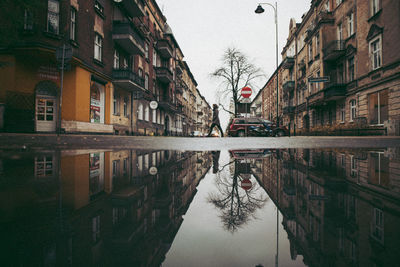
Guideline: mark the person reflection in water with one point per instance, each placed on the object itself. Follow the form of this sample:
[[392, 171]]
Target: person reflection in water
[[215, 159], [215, 121]]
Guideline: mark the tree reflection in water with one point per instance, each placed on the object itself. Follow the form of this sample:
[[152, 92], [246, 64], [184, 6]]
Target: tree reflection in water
[[237, 205]]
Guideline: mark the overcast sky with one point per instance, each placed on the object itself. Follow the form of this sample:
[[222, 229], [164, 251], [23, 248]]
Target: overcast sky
[[204, 29]]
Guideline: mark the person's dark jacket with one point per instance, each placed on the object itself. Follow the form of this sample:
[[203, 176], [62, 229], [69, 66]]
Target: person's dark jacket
[[215, 118]]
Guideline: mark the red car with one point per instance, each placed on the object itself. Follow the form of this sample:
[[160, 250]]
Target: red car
[[255, 127]]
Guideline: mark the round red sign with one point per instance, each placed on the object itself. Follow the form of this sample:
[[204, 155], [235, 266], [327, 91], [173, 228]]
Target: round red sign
[[246, 184], [246, 92]]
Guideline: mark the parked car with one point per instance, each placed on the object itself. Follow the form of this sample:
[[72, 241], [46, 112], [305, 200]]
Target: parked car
[[255, 127], [196, 134]]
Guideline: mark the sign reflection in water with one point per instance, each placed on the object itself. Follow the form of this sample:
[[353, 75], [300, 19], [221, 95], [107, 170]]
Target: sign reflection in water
[[84, 208]]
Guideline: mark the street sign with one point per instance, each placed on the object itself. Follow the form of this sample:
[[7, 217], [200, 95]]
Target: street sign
[[153, 104], [153, 170], [246, 184], [246, 92], [321, 79], [245, 101]]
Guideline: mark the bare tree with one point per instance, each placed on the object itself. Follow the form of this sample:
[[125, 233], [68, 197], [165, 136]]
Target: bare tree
[[237, 205], [236, 72]]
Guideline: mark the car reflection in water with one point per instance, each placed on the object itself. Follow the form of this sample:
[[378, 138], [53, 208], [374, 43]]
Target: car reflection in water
[[103, 208]]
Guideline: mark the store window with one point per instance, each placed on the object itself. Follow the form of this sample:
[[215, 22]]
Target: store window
[[97, 102]]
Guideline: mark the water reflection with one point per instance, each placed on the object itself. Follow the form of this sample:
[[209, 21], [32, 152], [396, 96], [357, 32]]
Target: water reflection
[[238, 198], [339, 207], [94, 208], [335, 207]]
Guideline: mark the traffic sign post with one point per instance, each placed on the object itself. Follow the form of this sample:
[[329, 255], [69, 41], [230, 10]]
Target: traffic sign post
[[246, 93]]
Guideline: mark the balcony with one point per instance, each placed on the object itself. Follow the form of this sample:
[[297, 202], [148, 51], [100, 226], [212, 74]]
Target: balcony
[[128, 80], [288, 63], [164, 75], [325, 17], [135, 8], [334, 50], [333, 91], [128, 38], [167, 104], [164, 48], [288, 110], [288, 86]]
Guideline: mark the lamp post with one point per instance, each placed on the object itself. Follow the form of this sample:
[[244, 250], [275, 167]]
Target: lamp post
[[260, 10]]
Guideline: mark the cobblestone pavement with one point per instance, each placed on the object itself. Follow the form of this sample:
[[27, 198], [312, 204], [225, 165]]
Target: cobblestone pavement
[[65, 142]]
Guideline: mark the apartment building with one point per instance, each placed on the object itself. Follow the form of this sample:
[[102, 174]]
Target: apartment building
[[340, 70], [119, 57]]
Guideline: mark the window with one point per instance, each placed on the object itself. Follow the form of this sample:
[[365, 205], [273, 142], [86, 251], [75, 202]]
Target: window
[[116, 59], [327, 7], [377, 229], [125, 64], [140, 163], [98, 47], [340, 32], [72, 29], [115, 168], [154, 57], [146, 113], [353, 166], [140, 73], [310, 51], [317, 45], [146, 81], [374, 7], [350, 24], [353, 109], [146, 50], [53, 16], [154, 116], [116, 103], [125, 106], [375, 52], [96, 228], [28, 20], [317, 86], [44, 166], [378, 107], [154, 87], [98, 7], [350, 69], [125, 166], [342, 111], [140, 111]]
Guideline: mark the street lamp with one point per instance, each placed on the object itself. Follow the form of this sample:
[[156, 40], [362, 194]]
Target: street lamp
[[260, 10]]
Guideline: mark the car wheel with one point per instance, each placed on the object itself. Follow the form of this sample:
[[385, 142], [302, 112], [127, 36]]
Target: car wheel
[[279, 133], [241, 133]]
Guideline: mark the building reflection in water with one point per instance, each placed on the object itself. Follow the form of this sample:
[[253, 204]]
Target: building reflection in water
[[86, 208], [339, 207]]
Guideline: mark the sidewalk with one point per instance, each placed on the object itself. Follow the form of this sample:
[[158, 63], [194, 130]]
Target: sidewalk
[[53, 141]]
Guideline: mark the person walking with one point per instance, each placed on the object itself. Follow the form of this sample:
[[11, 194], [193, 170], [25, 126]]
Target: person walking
[[215, 121]]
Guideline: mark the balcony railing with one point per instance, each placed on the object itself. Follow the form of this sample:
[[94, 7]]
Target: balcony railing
[[332, 91], [125, 35], [164, 75], [167, 104], [288, 63], [334, 50], [128, 80], [288, 86], [165, 48]]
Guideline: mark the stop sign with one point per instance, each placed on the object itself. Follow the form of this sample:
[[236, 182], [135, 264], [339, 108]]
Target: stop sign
[[246, 184], [246, 92]]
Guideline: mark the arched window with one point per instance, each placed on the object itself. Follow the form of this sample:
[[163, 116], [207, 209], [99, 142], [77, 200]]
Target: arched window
[[140, 111]]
